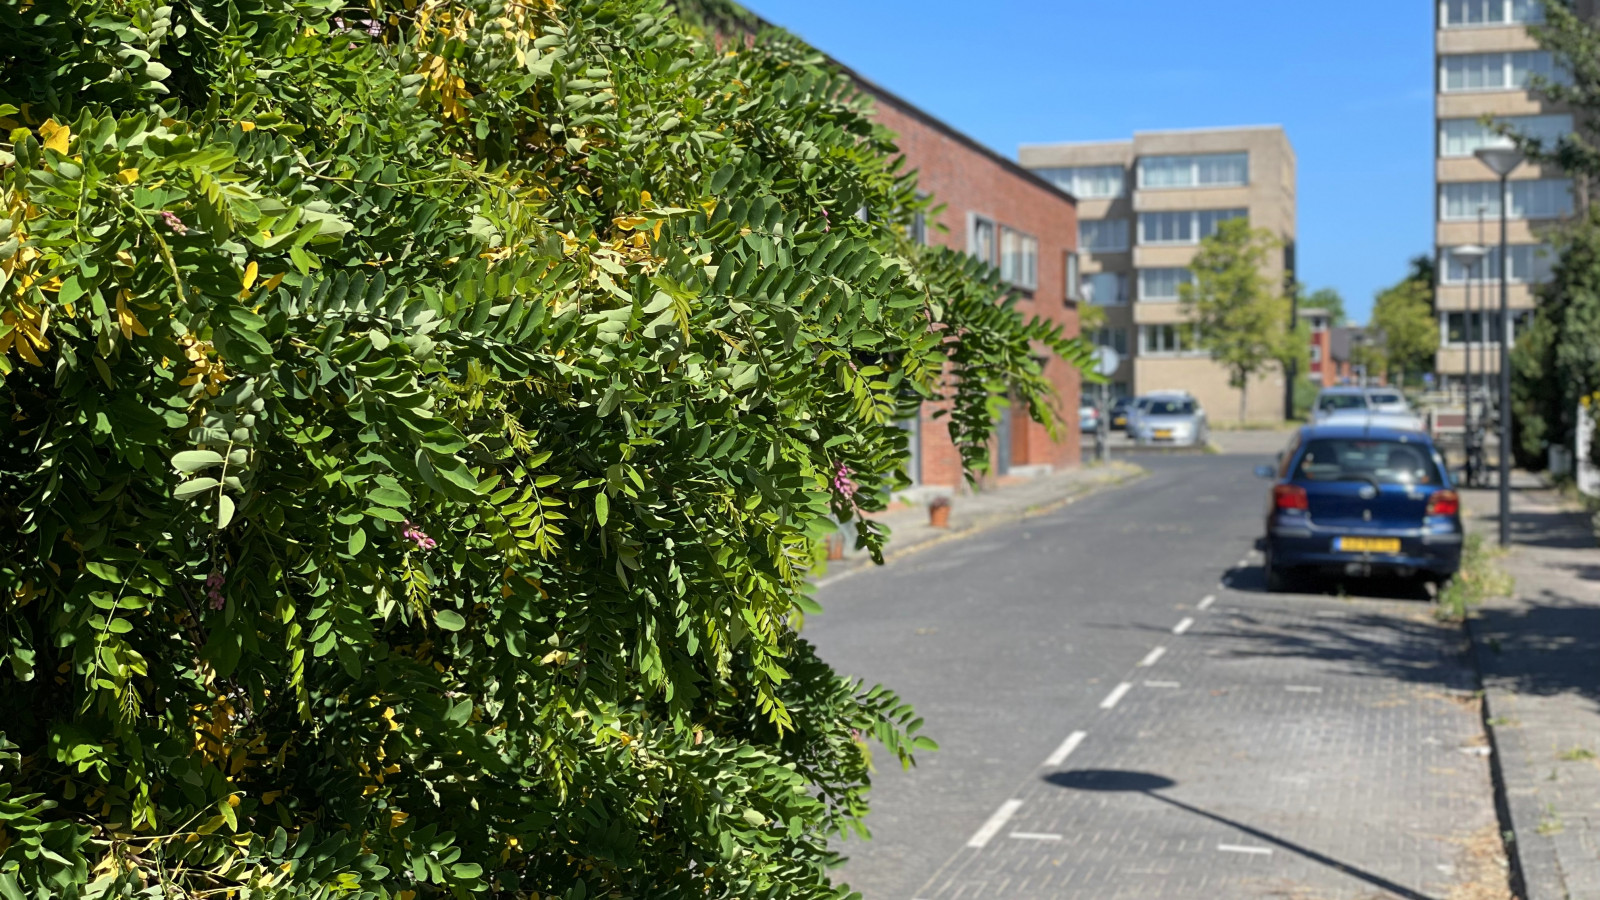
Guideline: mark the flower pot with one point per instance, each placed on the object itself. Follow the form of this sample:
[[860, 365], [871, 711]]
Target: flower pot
[[939, 515], [835, 547]]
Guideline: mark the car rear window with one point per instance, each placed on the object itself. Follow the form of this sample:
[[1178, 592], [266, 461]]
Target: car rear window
[[1171, 407], [1341, 401], [1367, 459]]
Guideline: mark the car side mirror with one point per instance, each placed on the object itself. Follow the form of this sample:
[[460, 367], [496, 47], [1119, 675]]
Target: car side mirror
[[1266, 472]]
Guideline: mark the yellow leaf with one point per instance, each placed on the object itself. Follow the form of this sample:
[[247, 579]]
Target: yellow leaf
[[128, 176], [250, 274], [247, 126], [644, 198], [55, 136], [273, 282], [126, 320]]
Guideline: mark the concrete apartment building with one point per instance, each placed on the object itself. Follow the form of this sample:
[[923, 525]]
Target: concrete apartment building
[[1144, 205], [1025, 225], [1484, 56]]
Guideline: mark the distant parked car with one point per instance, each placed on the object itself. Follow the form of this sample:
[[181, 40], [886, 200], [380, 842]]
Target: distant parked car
[[1119, 414], [1359, 499], [1335, 400], [1173, 419], [1387, 400], [1088, 415]]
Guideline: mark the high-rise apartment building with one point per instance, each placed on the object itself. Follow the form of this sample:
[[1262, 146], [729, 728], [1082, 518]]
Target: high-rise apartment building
[[1144, 205], [1485, 57]]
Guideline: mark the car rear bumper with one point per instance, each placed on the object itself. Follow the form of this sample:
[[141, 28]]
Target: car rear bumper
[[1431, 551]]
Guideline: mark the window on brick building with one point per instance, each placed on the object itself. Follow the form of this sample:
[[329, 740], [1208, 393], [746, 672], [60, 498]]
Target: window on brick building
[[1466, 13], [1105, 289], [1161, 285], [1019, 258], [1088, 182], [1115, 338], [1172, 339], [1183, 227], [1205, 170], [980, 237], [1461, 137], [1496, 71], [1074, 290], [1103, 235], [1542, 198]]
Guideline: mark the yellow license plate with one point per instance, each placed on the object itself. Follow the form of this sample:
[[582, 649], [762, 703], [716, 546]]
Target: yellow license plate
[[1120, 420], [1367, 545], [1163, 434]]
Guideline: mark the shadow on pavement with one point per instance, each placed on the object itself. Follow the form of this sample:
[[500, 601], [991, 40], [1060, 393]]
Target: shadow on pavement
[[1146, 783], [1253, 579], [1548, 645]]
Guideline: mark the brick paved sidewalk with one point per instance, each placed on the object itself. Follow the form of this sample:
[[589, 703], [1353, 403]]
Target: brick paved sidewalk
[[1539, 653], [1009, 501]]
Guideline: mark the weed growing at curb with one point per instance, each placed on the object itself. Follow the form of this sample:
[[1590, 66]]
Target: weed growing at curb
[[1480, 578]]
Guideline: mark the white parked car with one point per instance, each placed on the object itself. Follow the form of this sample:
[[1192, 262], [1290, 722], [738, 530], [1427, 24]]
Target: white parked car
[[1373, 407], [1172, 418]]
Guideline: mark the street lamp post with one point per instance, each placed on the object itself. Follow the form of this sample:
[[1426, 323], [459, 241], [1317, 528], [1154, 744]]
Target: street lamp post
[[1471, 256], [1501, 161]]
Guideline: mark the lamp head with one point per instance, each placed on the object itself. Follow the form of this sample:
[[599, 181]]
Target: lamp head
[[1469, 255], [1500, 160]]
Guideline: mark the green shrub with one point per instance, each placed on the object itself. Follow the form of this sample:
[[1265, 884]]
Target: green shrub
[[419, 422]]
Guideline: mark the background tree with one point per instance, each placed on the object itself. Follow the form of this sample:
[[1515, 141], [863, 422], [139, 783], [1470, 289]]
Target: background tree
[[1329, 299], [1242, 318], [418, 424], [1404, 324], [1555, 362]]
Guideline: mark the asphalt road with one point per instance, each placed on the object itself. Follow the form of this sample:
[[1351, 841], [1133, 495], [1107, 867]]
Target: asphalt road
[[1318, 745]]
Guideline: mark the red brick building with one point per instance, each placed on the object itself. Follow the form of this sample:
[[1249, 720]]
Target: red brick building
[[1021, 223]]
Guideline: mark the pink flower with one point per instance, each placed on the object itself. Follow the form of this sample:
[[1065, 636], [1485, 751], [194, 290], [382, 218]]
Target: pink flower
[[413, 533], [214, 584], [843, 483], [174, 223]]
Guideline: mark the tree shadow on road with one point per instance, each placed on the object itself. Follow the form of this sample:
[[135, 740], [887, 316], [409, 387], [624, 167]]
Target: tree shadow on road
[[1147, 784], [1545, 646]]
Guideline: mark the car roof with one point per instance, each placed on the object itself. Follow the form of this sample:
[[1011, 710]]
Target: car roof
[[1353, 430], [1343, 389]]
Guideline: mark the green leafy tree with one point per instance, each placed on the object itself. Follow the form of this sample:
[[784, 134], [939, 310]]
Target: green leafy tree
[[418, 424], [1555, 362], [1243, 318], [1326, 298], [1404, 324]]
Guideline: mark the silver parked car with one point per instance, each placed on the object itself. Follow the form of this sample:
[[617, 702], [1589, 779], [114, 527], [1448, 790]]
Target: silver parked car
[[1388, 400], [1171, 419]]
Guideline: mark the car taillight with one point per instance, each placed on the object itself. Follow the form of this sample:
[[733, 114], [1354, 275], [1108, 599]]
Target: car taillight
[[1289, 496], [1444, 503]]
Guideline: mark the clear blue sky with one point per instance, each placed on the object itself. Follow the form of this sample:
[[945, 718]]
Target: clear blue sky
[[1351, 83]]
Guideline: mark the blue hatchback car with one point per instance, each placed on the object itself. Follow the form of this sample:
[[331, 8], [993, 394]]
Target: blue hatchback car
[[1360, 499]]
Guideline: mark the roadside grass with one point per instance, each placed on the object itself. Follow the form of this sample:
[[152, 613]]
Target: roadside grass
[[1480, 578]]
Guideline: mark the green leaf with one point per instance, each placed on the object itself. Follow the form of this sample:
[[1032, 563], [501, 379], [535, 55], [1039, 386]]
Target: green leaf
[[194, 486], [103, 571], [224, 511], [602, 507], [449, 620], [196, 460]]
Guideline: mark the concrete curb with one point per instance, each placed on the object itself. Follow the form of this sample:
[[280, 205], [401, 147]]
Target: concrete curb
[[1535, 867], [984, 523]]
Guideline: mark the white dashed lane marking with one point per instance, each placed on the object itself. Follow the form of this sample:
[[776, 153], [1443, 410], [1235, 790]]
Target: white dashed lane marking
[[995, 823], [1183, 626], [1034, 836], [1205, 604], [1240, 848], [1117, 693], [1303, 688], [1151, 657], [1161, 684], [1065, 750]]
